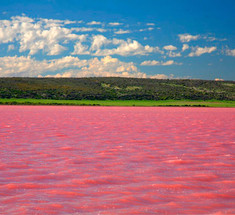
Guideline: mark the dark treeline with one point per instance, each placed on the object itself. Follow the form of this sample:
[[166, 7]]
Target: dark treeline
[[113, 88]]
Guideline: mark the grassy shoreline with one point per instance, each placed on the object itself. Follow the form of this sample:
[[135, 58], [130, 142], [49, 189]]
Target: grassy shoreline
[[140, 103]]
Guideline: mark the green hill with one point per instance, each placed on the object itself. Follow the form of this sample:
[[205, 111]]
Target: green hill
[[114, 88]]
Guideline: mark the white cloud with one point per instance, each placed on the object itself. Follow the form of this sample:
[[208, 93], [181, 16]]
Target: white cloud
[[80, 49], [150, 63], [198, 51], [72, 67], [174, 54], [158, 63], [102, 46], [185, 47], [67, 67], [210, 39], [29, 67], [146, 29], [8, 31], [51, 22], [84, 29], [49, 36], [151, 24], [169, 48], [106, 67], [162, 76], [115, 23], [122, 31], [94, 23], [124, 48], [184, 38], [188, 37], [101, 30], [56, 49], [33, 36], [230, 52], [68, 22], [98, 41], [169, 62]]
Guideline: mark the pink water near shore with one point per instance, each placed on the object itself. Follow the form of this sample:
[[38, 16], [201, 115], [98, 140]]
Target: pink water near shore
[[116, 160]]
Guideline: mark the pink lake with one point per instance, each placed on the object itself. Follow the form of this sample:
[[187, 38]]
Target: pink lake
[[116, 160]]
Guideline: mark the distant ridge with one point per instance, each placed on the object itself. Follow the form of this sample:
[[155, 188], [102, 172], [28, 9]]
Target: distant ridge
[[115, 88]]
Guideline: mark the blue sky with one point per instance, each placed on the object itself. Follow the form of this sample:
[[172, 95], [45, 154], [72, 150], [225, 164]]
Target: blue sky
[[131, 38]]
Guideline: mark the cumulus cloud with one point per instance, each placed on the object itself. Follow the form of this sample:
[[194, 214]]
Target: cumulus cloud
[[70, 66], [107, 67], [55, 49], [33, 36], [123, 47], [50, 36], [198, 51], [29, 67], [185, 47], [184, 38], [98, 41], [230, 52], [170, 48], [159, 63], [80, 49], [170, 51], [67, 67], [102, 46]]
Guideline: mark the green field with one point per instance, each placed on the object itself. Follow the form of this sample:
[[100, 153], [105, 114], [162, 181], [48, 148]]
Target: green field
[[144, 103]]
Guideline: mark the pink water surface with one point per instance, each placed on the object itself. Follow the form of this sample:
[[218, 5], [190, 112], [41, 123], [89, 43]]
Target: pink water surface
[[116, 160]]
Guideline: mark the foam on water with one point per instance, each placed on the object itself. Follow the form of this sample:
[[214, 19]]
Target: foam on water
[[116, 160]]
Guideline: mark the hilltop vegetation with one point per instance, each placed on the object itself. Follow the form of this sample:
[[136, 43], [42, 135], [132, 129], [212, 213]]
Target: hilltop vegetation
[[114, 88]]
